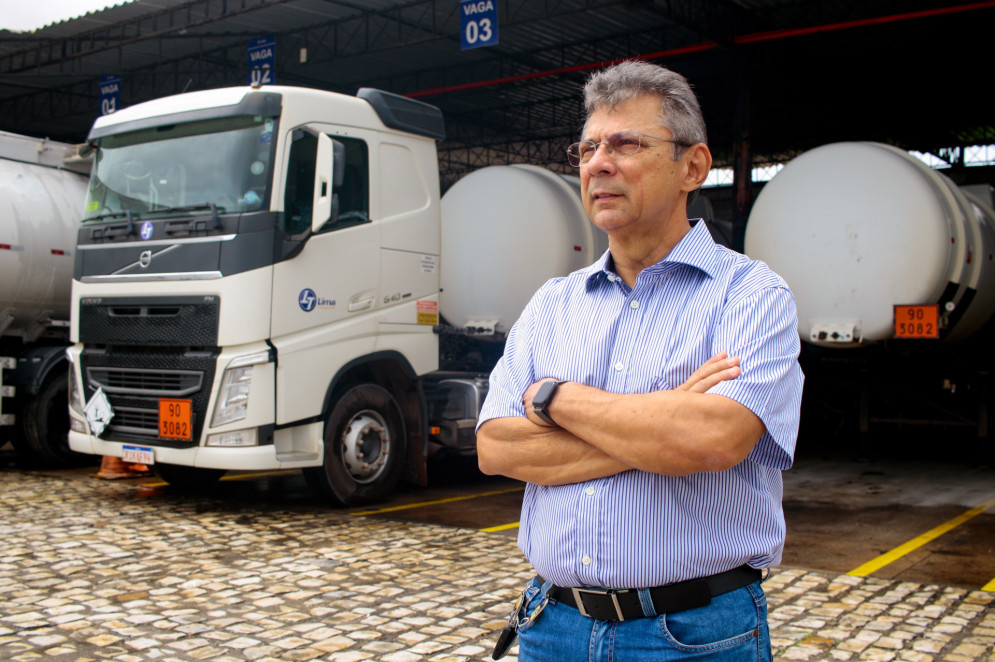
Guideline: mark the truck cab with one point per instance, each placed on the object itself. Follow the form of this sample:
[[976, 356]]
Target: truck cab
[[256, 285]]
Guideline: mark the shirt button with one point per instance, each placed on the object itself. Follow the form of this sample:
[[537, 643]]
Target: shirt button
[[589, 491], [620, 366], [611, 277], [586, 560], [633, 304]]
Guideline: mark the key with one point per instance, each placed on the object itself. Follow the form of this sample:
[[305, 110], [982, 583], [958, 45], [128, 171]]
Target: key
[[508, 633]]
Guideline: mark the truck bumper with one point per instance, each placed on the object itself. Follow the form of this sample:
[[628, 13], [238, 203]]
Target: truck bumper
[[237, 458]]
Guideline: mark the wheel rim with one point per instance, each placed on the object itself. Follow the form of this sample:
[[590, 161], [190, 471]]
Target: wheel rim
[[365, 446]]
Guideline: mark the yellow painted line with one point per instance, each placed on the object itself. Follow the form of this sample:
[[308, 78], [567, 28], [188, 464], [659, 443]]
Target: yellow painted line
[[260, 474], [990, 586], [503, 527], [422, 504], [914, 544]]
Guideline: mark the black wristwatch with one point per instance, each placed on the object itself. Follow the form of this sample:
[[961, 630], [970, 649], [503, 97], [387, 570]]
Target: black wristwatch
[[542, 398]]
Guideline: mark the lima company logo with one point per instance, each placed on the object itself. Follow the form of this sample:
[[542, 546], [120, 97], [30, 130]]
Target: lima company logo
[[307, 299], [147, 229]]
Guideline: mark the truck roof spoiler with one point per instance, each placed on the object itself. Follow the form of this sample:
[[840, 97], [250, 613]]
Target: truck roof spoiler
[[405, 114]]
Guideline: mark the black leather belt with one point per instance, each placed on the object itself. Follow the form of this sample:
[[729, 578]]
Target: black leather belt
[[620, 604]]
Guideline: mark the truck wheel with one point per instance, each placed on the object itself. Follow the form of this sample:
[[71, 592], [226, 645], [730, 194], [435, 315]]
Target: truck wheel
[[44, 438], [181, 476], [364, 448]]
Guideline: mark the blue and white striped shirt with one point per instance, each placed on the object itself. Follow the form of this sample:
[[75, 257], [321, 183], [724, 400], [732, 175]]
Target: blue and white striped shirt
[[638, 529]]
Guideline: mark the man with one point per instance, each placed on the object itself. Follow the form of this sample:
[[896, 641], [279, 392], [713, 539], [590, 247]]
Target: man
[[653, 470]]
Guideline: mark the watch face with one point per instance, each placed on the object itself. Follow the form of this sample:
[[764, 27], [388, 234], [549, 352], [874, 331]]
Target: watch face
[[545, 394], [542, 398]]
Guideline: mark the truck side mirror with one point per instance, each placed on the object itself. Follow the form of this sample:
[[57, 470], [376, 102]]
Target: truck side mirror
[[329, 172]]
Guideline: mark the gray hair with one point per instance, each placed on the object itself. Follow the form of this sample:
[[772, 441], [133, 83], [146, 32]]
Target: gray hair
[[679, 109]]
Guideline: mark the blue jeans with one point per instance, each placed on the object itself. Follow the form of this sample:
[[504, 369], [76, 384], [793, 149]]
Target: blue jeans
[[733, 628]]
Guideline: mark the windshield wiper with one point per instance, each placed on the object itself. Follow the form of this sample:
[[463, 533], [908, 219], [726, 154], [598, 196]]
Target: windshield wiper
[[173, 227], [110, 214], [114, 231], [200, 206]]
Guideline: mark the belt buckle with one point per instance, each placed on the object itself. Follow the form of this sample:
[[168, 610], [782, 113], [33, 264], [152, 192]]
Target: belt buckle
[[578, 594]]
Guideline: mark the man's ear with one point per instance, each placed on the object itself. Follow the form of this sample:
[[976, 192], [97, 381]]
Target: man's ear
[[699, 162]]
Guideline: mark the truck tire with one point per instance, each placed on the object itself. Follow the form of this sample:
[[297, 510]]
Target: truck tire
[[364, 448], [180, 476], [44, 438]]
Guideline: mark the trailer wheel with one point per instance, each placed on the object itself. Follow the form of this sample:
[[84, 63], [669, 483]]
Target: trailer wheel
[[44, 438], [180, 476], [364, 448]]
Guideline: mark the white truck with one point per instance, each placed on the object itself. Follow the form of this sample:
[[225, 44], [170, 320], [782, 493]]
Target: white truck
[[42, 190], [267, 278]]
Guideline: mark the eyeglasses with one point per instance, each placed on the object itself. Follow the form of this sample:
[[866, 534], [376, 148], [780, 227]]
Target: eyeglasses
[[618, 145]]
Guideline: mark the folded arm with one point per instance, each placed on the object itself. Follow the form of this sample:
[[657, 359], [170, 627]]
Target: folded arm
[[675, 432]]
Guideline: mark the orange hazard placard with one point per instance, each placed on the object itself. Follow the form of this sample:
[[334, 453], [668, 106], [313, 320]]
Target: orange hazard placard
[[917, 321], [428, 312], [175, 419]]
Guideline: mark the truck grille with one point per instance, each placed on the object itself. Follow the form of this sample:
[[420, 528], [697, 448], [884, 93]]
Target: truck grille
[[131, 420], [165, 383], [162, 321], [133, 379]]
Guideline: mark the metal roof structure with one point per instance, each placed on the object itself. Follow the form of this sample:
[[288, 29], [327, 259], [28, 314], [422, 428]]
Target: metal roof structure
[[775, 77]]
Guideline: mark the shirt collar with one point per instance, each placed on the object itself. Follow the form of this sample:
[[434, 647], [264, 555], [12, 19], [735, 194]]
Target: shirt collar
[[695, 249]]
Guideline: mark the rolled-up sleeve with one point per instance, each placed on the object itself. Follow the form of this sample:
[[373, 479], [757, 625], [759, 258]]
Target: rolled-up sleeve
[[762, 330], [515, 371]]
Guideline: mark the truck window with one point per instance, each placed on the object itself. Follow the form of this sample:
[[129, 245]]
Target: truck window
[[183, 168], [353, 195]]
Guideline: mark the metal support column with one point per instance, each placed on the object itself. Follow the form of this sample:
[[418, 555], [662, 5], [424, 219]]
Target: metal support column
[[742, 178]]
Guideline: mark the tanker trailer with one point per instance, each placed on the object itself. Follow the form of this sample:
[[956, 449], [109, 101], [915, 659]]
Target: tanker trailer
[[42, 190], [886, 255], [505, 230]]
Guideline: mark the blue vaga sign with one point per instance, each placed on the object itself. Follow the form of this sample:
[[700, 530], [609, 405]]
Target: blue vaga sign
[[478, 23], [262, 61], [110, 94]]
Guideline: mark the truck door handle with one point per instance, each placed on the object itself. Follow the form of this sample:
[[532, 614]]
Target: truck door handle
[[360, 304]]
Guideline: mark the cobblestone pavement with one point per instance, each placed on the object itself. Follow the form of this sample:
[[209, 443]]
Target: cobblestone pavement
[[91, 570]]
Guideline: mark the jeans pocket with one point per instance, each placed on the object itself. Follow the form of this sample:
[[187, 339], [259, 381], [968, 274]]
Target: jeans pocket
[[734, 619]]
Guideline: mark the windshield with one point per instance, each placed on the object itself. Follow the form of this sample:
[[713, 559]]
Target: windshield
[[219, 164]]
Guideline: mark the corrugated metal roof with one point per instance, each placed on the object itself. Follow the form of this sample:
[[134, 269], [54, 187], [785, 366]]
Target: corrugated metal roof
[[776, 75]]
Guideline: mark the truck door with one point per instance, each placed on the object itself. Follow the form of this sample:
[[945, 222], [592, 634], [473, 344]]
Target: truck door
[[325, 289]]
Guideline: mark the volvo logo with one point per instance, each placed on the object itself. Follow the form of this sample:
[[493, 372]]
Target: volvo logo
[[145, 259]]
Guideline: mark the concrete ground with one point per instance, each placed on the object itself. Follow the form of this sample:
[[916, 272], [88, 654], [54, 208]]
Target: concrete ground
[[94, 570]]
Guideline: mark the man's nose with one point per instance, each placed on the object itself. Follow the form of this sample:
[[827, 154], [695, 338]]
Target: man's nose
[[601, 160]]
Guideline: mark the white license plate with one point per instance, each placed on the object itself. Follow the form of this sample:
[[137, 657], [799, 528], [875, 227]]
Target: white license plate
[[138, 455]]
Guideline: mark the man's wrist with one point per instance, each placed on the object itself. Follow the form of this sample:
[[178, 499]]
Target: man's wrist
[[543, 398]]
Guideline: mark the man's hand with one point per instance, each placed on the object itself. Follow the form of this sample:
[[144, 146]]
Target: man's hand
[[717, 369]]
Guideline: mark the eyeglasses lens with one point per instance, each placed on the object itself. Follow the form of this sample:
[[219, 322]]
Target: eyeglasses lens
[[620, 144]]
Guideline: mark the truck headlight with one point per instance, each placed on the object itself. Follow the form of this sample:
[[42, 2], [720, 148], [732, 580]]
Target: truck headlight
[[233, 397], [233, 401]]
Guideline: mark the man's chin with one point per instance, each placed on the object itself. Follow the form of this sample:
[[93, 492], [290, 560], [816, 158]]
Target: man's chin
[[609, 221]]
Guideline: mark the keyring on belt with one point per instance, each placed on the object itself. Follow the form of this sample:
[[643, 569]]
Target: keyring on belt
[[535, 614]]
